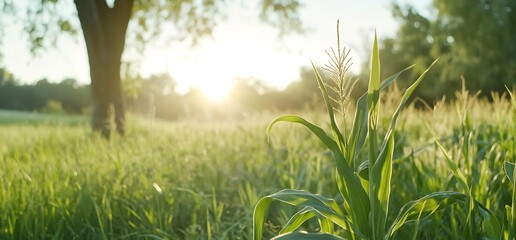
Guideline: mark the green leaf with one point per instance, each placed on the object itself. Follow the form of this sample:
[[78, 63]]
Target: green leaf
[[490, 220], [424, 207], [326, 220], [380, 188], [452, 165], [512, 214], [406, 96], [352, 190], [319, 132], [359, 130], [307, 236], [509, 170], [373, 90], [363, 170], [510, 218], [334, 128], [513, 98], [373, 97], [259, 216], [298, 219], [327, 226], [324, 206]]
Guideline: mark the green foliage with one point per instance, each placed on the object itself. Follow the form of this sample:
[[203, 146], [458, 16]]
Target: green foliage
[[52, 106], [72, 97], [472, 39], [366, 199], [44, 96], [44, 21], [156, 96]]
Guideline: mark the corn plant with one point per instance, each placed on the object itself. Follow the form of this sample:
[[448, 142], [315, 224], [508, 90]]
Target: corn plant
[[364, 185]]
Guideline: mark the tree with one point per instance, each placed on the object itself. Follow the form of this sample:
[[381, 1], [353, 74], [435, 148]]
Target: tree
[[104, 25], [473, 39]]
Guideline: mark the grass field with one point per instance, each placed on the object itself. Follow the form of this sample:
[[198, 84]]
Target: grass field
[[201, 180]]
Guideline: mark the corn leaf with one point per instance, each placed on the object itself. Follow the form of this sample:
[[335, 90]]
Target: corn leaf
[[513, 98], [326, 220], [509, 170], [424, 207], [380, 184], [492, 227], [307, 236], [359, 130], [352, 189], [334, 128], [452, 165], [406, 96], [325, 206], [298, 219], [327, 226], [509, 219], [373, 97]]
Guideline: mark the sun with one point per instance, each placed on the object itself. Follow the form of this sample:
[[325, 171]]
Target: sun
[[215, 92]]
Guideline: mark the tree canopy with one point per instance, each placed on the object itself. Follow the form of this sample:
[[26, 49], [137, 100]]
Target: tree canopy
[[473, 39], [178, 20]]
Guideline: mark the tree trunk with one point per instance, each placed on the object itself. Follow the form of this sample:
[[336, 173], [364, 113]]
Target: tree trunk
[[104, 30]]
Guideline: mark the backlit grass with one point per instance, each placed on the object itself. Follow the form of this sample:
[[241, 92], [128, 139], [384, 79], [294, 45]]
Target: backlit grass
[[199, 180]]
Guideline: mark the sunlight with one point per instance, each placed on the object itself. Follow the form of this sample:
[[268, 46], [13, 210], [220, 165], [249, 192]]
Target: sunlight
[[216, 91], [214, 81]]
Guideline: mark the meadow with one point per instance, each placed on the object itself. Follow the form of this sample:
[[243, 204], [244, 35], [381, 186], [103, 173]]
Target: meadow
[[202, 179]]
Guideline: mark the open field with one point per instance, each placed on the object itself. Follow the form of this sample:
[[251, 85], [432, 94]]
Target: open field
[[201, 180]]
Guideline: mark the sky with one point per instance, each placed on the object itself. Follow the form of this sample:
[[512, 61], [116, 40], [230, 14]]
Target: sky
[[241, 47]]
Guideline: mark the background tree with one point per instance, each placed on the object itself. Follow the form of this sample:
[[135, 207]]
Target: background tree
[[473, 39], [104, 25]]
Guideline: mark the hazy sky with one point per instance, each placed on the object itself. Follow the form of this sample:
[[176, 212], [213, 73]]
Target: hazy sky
[[241, 47]]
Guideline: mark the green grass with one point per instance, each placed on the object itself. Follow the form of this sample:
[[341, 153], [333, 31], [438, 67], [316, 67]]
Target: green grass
[[196, 180], [441, 173], [60, 181]]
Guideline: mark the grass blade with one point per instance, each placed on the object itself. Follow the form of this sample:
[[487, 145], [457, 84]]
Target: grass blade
[[513, 98], [509, 170]]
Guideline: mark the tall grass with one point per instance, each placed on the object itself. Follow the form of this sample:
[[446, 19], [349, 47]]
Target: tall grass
[[202, 180], [366, 186], [59, 181]]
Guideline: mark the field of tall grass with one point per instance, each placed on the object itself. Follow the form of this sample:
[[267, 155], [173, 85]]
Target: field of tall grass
[[388, 171], [202, 180]]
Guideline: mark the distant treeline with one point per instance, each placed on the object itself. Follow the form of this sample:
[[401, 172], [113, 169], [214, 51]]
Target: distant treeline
[[66, 96], [156, 96]]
